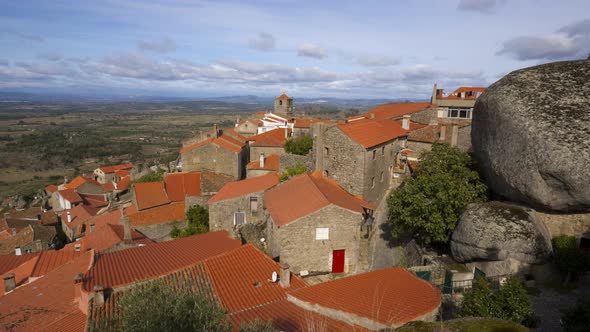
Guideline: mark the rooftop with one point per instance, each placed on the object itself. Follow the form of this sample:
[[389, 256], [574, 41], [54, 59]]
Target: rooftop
[[272, 138], [243, 187], [150, 194], [396, 110], [107, 237], [70, 195], [307, 193], [272, 163], [223, 141], [78, 181], [369, 133], [158, 215], [391, 297], [179, 185]]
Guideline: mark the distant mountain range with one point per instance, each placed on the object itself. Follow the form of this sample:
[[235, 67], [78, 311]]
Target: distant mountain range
[[16, 96]]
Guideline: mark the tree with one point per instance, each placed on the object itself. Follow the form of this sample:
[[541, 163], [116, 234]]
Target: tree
[[431, 201], [510, 302], [156, 306], [291, 171], [198, 223], [300, 146], [568, 258], [577, 318]]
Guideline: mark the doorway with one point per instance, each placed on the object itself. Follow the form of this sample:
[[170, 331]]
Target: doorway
[[338, 261]]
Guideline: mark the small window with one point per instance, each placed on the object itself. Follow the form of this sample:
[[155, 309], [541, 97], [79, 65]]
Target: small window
[[463, 114], [326, 173], [382, 150], [254, 204], [239, 218], [280, 102], [327, 151], [373, 182], [374, 154], [322, 233], [454, 113]]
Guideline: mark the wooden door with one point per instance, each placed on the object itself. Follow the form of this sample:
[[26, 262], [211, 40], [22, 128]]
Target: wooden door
[[338, 261]]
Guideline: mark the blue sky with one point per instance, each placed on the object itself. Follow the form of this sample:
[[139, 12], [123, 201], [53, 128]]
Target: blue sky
[[384, 49]]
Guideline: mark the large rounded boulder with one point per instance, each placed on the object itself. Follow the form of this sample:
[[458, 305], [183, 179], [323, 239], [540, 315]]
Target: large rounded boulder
[[496, 231], [531, 136]]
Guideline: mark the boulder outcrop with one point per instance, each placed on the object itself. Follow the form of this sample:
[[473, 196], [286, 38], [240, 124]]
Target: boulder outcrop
[[496, 231], [531, 136]]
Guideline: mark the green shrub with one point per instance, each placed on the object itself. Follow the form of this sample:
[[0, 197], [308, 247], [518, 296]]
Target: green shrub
[[157, 176], [198, 223], [296, 169], [300, 146]]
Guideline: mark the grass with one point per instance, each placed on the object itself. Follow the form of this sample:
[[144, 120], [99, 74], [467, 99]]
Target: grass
[[465, 325]]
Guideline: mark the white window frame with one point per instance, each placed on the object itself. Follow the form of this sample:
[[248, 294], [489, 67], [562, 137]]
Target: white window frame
[[322, 233], [235, 214]]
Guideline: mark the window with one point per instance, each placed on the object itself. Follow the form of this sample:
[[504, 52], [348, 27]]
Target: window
[[322, 233], [239, 218], [326, 173], [280, 102], [327, 151], [374, 154], [373, 182], [253, 204], [460, 113], [382, 150]]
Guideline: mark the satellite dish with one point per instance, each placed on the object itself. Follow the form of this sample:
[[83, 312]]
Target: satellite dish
[[262, 240], [274, 277]]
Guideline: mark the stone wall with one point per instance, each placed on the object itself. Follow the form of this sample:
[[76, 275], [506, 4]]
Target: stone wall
[[378, 170], [255, 151], [211, 157], [577, 225], [160, 232], [464, 139], [221, 213], [299, 248], [190, 201], [426, 116], [252, 173], [419, 146], [289, 160]]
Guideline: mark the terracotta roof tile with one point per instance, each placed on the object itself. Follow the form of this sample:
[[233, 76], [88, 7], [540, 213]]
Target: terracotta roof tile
[[128, 266], [234, 134], [21, 274], [70, 195], [224, 141], [95, 201], [51, 188], [9, 262], [271, 162], [212, 182], [114, 168], [78, 181], [108, 236], [273, 138], [455, 94], [195, 146], [123, 183], [49, 260], [150, 194], [307, 193], [398, 294], [428, 134], [158, 215], [180, 185], [396, 110], [45, 301], [243, 187], [284, 96], [108, 187], [122, 173], [369, 133], [78, 215]]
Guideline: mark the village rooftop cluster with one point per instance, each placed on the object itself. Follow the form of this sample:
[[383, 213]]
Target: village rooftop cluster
[[291, 249]]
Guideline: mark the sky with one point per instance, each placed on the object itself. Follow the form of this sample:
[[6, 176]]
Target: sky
[[347, 49]]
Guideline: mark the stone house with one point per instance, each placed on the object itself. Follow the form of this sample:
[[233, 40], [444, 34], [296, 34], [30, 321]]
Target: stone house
[[247, 127], [303, 126], [28, 231], [284, 105], [225, 153], [361, 153], [457, 105], [84, 185], [269, 143], [65, 199], [264, 165], [106, 174], [73, 222], [239, 203], [315, 225]]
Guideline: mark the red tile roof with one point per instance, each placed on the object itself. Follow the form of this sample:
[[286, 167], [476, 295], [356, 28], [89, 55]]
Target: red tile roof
[[224, 141], [273, 138], [391, 297], [79, 215], [158, 215], [234, 134], [9, 262], [46, 301], [284, 96], [308, 193], [95, 201], [396, 110], [243, 187], [455, 94], [270, 163], [114, 168], [50, 260], [78, 181], [51, 188], [122, 173], [103, 219], [180, 185], [369, 133], [128, 266], [150, 194], [70, 195], [123, 183], [21, 274], [108, 187], [107, 237], [306, 123]]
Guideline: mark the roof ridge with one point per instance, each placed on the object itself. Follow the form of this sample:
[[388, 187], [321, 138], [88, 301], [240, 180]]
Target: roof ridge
[[309, 175]]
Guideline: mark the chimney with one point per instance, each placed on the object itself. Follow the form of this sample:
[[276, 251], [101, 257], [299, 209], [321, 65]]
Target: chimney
[[98, 296], [286, 132], [9, 282], [406, 122], [434, 94], [262, 160], [126, 226], [443, 132], [237, 122], [454, 135], [285, 279], [17, 251], [69, 216], [371, 115]]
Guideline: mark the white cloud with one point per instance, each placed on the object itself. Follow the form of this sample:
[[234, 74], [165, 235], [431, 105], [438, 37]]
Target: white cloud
[[311, 51], [263, 42], [165, 45], [482, 6], [377, 60]]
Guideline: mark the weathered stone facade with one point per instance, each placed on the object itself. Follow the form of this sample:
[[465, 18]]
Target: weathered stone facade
[[255, 151], [288, 160], [247, 128], [360, 171], [295, 243], [160, 232], [577, 224], [221, 213], [211, 157]]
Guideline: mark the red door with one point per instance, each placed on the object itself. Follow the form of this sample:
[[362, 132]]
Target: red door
[[338, 261]]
